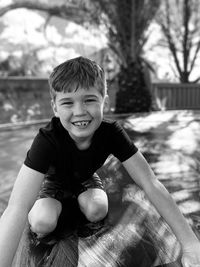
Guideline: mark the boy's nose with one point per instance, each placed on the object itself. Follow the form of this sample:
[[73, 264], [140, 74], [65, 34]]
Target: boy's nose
[[79, 109]]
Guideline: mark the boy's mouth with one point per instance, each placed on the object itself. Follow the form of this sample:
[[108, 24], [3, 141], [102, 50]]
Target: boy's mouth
[[81, 123]]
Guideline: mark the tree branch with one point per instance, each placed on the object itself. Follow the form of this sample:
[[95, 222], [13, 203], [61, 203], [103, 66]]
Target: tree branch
[[172, 48], [186, 18], [133, 32], [71, 12], [195, 56]]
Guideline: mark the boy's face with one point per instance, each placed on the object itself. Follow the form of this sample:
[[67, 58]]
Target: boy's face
[[80, 112]]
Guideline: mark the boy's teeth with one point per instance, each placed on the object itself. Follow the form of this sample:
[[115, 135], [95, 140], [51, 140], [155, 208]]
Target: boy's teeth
[[81, 123]]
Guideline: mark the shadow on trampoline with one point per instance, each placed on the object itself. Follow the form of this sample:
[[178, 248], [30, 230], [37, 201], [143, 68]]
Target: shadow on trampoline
[[133, 234]]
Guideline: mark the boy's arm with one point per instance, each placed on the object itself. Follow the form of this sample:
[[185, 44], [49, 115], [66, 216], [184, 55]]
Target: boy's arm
[[13, 220], [143, 175]]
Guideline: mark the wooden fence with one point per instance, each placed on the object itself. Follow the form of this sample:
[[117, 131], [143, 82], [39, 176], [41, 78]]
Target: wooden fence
[[176, 96], [24, 98]]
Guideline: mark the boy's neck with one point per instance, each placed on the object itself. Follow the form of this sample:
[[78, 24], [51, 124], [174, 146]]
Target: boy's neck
[[83, 145]]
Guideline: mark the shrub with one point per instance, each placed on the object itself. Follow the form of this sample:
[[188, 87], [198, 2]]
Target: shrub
[[133, 95]]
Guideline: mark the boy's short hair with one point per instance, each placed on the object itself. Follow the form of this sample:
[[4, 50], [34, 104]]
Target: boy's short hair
[[77, 73]]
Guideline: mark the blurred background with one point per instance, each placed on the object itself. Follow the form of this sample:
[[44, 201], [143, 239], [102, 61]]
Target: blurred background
[[149, 49]]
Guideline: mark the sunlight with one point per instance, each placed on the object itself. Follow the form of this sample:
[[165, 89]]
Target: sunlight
[[53, 35], [5, 2], [171, 165], [79, 34], [181, 195], [23, 17], [25, 24], [56, 56], [185, 138], [152, 120], [189, 206], [63, 38]]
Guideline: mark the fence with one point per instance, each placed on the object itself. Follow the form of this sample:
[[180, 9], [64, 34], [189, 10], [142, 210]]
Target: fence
[[24, 99], [176, 96], [28, 98]]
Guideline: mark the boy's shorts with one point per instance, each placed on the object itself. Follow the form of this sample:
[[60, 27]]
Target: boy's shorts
[[55, 189]]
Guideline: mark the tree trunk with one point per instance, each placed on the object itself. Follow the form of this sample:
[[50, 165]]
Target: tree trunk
[[133, 35]]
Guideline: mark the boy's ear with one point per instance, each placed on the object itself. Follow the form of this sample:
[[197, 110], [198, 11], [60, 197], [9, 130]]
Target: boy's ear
[[106, 106], [53, 105]]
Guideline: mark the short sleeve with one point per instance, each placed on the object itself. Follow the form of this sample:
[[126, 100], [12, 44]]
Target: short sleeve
[[121, 145], [39, 156]]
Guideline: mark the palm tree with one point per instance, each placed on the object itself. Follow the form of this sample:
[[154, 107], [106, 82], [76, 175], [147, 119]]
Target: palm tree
[[125, 23]]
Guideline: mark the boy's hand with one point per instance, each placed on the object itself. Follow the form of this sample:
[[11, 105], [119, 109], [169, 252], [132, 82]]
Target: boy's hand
[[191, 256]]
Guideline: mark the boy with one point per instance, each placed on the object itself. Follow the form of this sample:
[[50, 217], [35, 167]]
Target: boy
[[68, 151]]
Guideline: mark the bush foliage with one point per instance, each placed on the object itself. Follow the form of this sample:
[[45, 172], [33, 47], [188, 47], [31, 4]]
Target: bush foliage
[[133, 95]]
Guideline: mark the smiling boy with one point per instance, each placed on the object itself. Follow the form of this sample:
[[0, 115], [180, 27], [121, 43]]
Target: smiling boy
[[80, 113], [64, 157]]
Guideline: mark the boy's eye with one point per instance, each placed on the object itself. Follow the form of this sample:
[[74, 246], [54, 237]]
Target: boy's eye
[[90, 100], [67, 103]]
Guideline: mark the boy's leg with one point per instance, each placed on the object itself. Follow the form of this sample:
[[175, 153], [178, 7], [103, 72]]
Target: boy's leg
[[44, 215], [93, 201], [45, 212]]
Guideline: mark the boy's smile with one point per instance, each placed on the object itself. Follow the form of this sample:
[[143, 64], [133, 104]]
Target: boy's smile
[[80, 112], [81, 124]]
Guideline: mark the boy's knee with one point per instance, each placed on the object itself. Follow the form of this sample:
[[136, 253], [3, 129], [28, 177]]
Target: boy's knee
[[94, 204], [42, 225], [44, 215], [96, 212]]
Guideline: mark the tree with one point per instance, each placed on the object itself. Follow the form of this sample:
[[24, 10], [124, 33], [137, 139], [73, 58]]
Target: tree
[[180, 24], [70, 10], [125, 23]]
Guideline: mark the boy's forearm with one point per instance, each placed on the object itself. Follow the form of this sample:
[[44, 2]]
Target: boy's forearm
[[12, 225], [168, 209]]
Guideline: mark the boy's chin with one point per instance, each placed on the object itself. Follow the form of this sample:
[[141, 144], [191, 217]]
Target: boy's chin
[[81, 136]]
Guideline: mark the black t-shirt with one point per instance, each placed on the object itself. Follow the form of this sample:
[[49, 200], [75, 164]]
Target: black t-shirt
[[54, 152]]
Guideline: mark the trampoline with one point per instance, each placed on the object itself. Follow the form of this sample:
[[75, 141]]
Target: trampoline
[[133, 234]]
